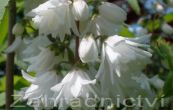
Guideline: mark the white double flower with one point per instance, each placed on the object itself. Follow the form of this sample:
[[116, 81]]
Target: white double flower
[[122, 58], [76, 84]]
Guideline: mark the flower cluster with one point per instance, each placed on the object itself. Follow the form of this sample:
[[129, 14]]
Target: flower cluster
[[96, 25], [58, 17]]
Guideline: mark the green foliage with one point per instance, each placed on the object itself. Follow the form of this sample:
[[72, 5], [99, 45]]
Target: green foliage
[[21, 108], [135, 5], [125, 32], [2, 98], [168, 17], [4, 28], [20, 5], [19, 82], [3, 4], [165, 51], [152, 25], [168, 87], [3, 34]]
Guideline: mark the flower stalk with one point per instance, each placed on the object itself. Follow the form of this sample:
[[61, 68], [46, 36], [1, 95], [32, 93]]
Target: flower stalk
[[77, 45]]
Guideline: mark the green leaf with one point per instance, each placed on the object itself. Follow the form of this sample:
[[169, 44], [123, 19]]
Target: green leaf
[[70, 55], [3, 4], [2, 99], [19, 83], [168, 17], [135, 5], [125, 32], [168, 87], [153, 25], [165, 51], [3, 28], [23, 108]]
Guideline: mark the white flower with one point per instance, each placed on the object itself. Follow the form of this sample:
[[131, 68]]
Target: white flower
[[121, 59], [18, 46], [55, 17], [27, 47], [34, 45], [40, 89], [108, 22], [80, 10], [126, 55], [18, 29], [101, 26], [43, 62], [112, 12], [146, 90], [15, 45], [76, 84], [144, 83], [88, 51]]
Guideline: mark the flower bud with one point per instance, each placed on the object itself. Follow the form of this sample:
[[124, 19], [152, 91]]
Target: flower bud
[[80, 10], [88, 51], [18, 29], [112, 12]]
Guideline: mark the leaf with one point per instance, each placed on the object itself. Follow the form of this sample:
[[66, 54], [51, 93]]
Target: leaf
[[2, 99], [23, 108], [70, 55], [168, 87], [153, 25], [4, 28], [3, 4], [19, 83], [168, 18], [165, 51], [125, 32], [135, 5]]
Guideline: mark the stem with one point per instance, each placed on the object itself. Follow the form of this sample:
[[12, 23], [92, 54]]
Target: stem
[[172, 104], [77, 45], [10, 56], [76, 50]]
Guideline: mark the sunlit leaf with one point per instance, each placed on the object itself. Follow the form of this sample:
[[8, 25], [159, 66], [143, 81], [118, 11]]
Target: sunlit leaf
[[3, 4], [125, 32], [135, 5], [4, 28], [19, 82], [168, 17]]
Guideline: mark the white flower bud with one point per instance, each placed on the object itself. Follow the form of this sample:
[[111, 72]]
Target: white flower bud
[[80, 10], [88, 51], [112, 12], [18, 29], [166, 28]]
